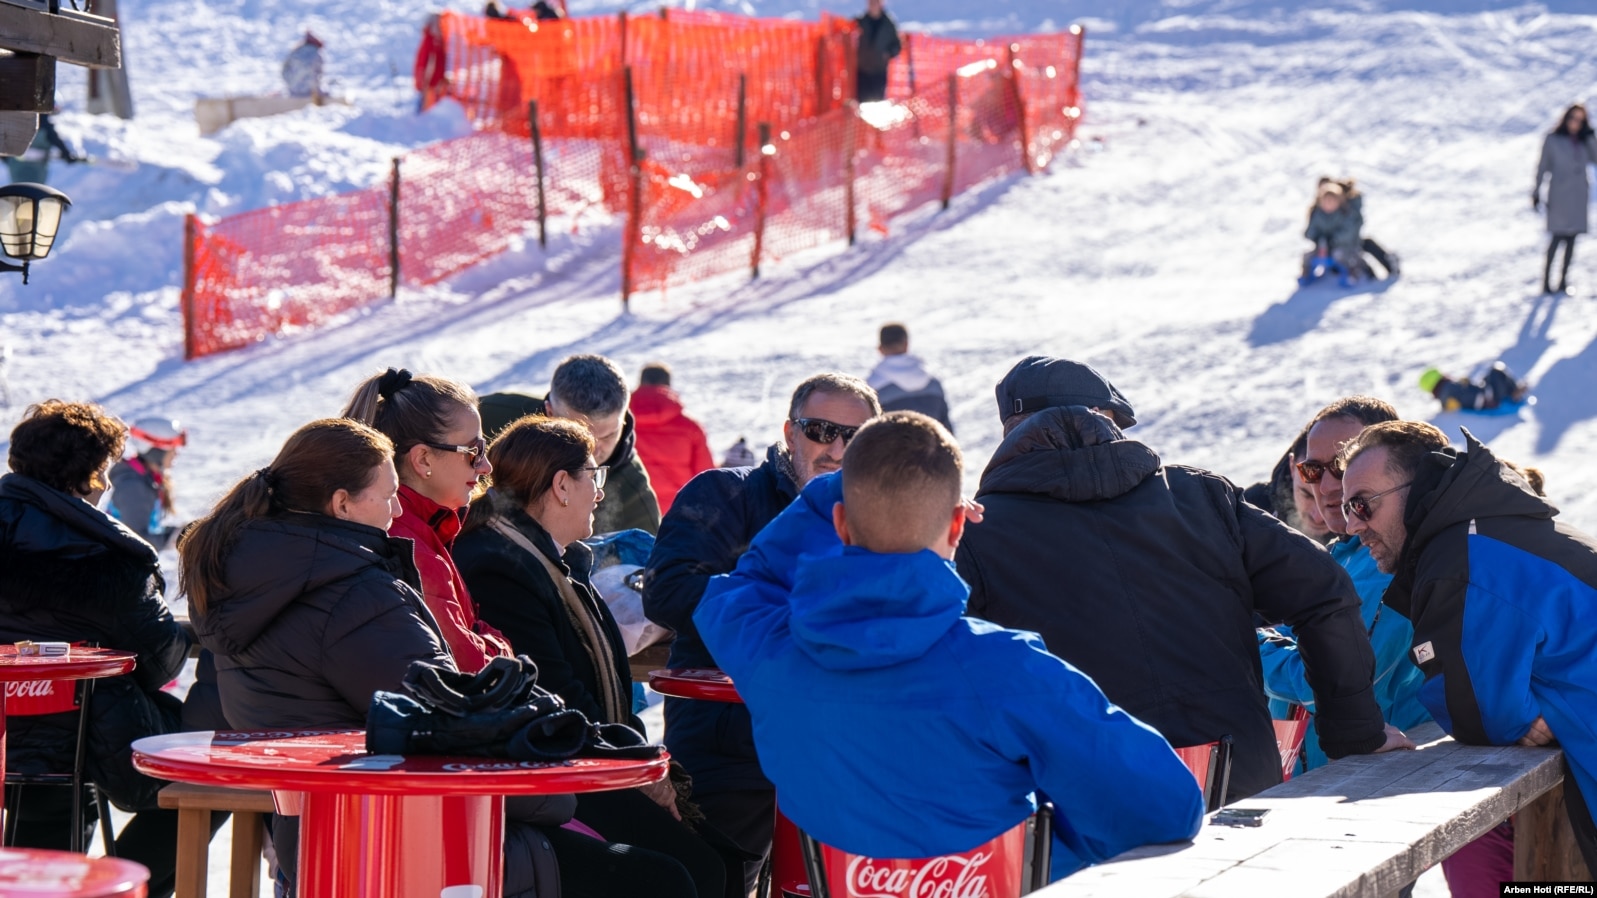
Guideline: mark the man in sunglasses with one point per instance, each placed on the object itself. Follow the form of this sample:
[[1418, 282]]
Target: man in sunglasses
[[1397, 680], [709, 527], [1147, 576], [1503, 596]]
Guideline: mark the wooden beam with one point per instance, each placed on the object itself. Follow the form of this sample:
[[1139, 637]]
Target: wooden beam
[[27, 82], [71, 36], [16, 132]]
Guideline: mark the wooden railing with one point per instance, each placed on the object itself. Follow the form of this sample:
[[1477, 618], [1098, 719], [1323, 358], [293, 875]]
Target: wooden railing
[[1361, 827]]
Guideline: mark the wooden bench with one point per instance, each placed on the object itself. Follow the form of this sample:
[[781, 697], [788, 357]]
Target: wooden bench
[[1361, 827], [194, 806]]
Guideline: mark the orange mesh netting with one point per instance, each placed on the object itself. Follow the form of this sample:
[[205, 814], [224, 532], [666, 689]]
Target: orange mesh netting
[[708, 202], [263, 272]]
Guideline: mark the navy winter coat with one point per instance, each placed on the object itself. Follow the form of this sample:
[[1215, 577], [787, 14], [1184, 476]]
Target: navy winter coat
[[69, 572], [708, 528], [1147, 577]]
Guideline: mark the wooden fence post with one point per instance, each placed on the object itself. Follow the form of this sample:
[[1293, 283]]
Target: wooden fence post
[[537, 163], [393, 230], [634, 230], [953, 138], [1020, 109], [760, 195], [191, 233], [743, 120], [850, 149], [909, 60], [622, 16]]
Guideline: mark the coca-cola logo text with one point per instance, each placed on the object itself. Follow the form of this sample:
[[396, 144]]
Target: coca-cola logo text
[[31, 689], [949, 876]]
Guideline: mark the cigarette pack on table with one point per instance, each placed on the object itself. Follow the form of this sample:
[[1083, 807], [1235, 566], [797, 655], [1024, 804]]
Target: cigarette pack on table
[[27, 647]]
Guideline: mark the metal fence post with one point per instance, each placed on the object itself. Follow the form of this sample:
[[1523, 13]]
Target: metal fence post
[[850, 150], [634, 229], [537, 163], [741, 137]]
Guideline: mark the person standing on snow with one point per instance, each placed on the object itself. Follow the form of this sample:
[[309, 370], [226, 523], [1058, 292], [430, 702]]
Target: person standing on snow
[[672, 445], [1566, 152], [302, 69], [878, 44], [901, 380], [141, 491], [33, 166]]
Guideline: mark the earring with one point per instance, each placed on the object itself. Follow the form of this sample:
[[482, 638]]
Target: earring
[[565, 503], [428, 474]]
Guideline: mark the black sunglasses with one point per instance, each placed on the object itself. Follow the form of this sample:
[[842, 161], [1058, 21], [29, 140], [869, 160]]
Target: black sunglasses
[[1359, 506], [474, 450], [820, 430]]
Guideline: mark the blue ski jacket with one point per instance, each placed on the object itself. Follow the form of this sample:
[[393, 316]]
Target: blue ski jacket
[[1504, 604], [1397, 680], [894, 726]]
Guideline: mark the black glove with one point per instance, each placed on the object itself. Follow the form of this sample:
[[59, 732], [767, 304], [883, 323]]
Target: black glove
[[398, 724], [1536, 200], [550, 737], [502, 685]]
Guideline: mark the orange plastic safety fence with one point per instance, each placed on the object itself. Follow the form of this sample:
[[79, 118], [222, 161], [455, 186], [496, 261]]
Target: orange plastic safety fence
[[285, 267], [463, 200], [694, 227]]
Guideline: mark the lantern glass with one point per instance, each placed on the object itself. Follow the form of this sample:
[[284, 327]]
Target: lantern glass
[[30, 220]]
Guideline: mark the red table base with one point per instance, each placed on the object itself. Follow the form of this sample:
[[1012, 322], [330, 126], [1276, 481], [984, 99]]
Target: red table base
[[401, 846]]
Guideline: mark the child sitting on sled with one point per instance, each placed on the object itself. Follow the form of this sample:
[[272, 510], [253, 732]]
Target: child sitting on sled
[[1334, 225], [1498, 388]]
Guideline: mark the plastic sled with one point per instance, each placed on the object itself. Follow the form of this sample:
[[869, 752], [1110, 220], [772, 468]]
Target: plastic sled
[[1322, 266]]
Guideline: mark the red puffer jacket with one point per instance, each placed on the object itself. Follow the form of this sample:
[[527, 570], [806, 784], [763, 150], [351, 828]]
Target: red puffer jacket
[[671, 444], [434, 528]]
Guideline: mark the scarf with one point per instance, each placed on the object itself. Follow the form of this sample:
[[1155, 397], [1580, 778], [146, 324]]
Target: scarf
[[585, 619]]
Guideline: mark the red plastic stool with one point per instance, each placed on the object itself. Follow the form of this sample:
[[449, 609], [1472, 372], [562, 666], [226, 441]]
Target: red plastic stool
[[30, 872]]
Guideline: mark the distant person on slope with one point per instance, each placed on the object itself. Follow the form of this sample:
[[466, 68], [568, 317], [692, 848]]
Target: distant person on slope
[[672, 445], [1334, 227], [1497, 388], [302, 69], [141, 489], [33, 166], [1566, 152], [878, 44], [901, 380], [1355, 201]]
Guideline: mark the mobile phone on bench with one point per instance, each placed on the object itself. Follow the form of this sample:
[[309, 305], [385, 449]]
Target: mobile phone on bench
[[1239, 816]]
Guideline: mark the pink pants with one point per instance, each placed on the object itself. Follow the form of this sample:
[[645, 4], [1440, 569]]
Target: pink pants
[[1475, 870]]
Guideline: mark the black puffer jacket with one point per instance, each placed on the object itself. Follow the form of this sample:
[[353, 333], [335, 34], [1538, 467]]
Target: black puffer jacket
[[514, 594], [70, 572], [709, 527], [1147, 577], [319, 614]]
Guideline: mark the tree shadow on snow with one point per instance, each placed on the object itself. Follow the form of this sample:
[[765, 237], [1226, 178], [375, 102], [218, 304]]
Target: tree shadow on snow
[[1301, 312]]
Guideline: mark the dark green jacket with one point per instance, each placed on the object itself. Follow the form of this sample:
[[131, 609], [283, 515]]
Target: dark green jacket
[[629, 501]]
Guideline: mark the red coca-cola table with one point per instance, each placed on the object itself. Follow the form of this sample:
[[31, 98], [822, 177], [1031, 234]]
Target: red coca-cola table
[[706, 684], [34, 873], [390, 825], [39, 678]]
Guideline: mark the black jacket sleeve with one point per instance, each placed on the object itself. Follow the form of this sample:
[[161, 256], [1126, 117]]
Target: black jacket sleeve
[[702, 535], [147, 627], [526, 607], [1298, 582]]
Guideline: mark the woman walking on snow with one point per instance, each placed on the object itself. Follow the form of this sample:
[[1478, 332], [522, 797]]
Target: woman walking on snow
[[1565, 154]]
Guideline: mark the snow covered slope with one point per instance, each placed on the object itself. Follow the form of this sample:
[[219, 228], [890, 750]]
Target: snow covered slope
[[1163, 252]]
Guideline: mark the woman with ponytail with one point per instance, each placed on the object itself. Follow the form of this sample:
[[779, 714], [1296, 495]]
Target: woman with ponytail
[[310, 607], [440, 453]]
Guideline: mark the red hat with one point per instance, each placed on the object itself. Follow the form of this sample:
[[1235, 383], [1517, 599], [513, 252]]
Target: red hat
[[312, 39]]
